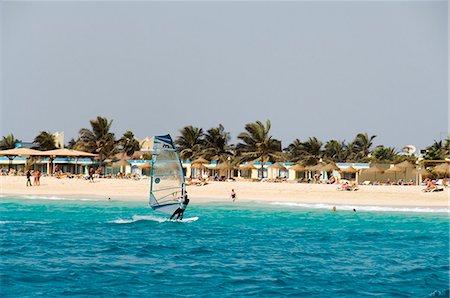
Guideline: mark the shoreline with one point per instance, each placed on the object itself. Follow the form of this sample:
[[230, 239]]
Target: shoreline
[[298, 193]]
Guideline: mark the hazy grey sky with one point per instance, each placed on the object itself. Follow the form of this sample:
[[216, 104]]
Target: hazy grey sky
[[324, 69]]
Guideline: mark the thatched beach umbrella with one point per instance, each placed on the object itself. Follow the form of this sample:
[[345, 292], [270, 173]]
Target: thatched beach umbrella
[[394, 170], [330, 167], [121, 163], [225, 166], [200, 160], [248, 166], [350, 170], [147, 165], [374, 169], [277, 166], [405, 165], [421, 171], [443, 169], [298, 168]]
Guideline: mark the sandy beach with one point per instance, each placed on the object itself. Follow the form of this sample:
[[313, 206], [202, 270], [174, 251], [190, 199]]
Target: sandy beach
[[137, 190]]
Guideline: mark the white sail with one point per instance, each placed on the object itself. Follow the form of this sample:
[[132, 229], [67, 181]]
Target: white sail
[[167, 177]]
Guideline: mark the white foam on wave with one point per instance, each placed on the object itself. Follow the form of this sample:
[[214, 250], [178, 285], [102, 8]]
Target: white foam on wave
[[365, 208], [4, 222], [53, 198], [137, 218]]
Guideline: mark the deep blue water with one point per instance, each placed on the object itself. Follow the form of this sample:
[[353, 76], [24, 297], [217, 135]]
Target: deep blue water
[[87, 247]]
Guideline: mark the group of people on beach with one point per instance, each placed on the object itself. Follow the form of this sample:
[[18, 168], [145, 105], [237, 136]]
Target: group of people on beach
[[431, 186], [37, 177]]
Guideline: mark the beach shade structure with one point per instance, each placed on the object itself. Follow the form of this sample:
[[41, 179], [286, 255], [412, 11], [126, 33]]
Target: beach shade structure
[[121, 163], [330, 167], [374, 169], [298, 168], [225, 166], [405, 165], [316, 168], [442, 169], [350, 170], [394, 170], [24, 152], [64, 152], [147, 165], [421, 171], [200, 160], [277, 166], [248, 166]]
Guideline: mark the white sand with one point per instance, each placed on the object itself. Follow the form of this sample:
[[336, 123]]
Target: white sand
[[137, 190]]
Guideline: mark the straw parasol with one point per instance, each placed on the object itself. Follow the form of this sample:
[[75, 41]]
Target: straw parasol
[[198, 163], [147, 165], [277, 166], [349, 169], [374, 169], [422, 172], [298, 168], [199, 160], [225, 166], [405, 165], [247, 166], [395, 170], [121, 163], [330, 167], [442, 169]]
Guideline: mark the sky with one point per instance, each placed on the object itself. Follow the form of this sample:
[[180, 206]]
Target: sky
[[327, 69]]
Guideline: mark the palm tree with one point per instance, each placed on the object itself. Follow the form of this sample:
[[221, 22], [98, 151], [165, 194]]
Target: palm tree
[[128, 143], [336, 151], [216, 144], [45, 141], [384, 154], [190, 142], [312, 150], [362, 144], [99, 140], [72, 143], [258, 144], [295, 150], [436, 151], [8, 142]]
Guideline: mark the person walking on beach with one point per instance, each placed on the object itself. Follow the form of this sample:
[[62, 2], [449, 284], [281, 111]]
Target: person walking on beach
[[91, 174], [184, 201], [29, 177], [233, 195]]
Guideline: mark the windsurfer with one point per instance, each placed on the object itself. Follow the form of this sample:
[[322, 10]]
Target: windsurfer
[[184, 201]]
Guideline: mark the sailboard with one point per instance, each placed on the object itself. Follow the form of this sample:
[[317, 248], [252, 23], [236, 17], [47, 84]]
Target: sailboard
[[166, 176]]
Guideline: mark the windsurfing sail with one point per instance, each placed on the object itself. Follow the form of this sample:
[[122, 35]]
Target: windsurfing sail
[[166, 176]]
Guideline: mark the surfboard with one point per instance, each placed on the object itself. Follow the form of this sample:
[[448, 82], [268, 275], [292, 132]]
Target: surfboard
[[189, 219]]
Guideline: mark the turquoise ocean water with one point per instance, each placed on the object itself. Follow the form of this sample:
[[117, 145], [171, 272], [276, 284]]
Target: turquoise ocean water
[[72, 247]]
